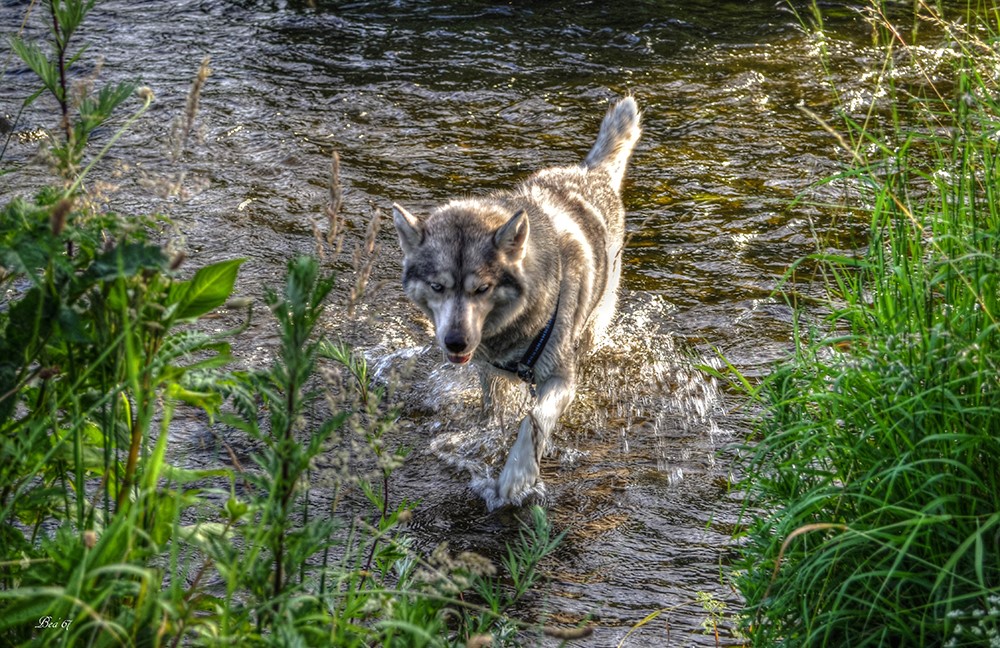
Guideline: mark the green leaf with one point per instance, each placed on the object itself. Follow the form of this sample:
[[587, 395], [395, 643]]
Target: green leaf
[[200, 532], [126, 260], [208, 401], [96, 109], [30, 321], [70, 14], [35, 58], [208, 289], [73, 327], [28, 605], [26, 240], [8, 386], [164, 507], [188, 475]]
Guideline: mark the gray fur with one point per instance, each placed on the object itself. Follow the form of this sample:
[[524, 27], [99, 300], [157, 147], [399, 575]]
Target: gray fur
[[490, 271]]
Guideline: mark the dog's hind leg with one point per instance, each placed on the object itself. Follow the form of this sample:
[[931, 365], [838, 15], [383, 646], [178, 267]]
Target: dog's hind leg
[[520, 476]]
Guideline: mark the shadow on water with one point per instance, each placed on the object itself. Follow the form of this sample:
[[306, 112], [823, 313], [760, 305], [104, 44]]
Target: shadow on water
[[425, 100]]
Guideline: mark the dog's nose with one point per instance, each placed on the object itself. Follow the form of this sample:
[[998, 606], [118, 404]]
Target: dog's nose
[[455, 342]]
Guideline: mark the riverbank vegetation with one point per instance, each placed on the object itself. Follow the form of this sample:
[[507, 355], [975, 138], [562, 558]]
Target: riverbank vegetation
[[103, 344], [873, 486]]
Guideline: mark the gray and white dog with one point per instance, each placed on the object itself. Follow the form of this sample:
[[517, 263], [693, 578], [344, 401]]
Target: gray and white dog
[[524, 282]]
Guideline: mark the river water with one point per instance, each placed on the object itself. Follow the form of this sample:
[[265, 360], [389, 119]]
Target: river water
[[427, 99]]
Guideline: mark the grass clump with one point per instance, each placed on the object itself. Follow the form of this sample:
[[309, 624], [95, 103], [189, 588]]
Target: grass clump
[[874, 485], [103, 541]]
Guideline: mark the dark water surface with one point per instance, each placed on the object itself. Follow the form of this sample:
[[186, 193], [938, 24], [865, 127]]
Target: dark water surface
[[428, 99]]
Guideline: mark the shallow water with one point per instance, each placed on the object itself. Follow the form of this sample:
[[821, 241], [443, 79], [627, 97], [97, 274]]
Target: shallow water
[[429, 99]]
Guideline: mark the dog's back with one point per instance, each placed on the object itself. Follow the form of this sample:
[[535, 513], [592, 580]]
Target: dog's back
[[584, 206]]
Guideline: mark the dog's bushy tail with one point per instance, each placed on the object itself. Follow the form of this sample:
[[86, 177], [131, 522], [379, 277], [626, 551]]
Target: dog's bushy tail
[[619, 132]]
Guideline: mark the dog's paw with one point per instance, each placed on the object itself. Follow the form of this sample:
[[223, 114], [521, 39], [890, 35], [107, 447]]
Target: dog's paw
[[490, 490], [518, 480], [486, 487], [533, 494]]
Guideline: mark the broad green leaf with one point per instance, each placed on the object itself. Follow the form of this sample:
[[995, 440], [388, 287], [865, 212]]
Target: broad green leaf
[[126, 260], [73, 327], [208, 289], [199, 533], [30, 320], [208, 401]]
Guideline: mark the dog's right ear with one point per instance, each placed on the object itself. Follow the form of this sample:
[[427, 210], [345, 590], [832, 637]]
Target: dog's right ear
[[512, 238], [410, 230]]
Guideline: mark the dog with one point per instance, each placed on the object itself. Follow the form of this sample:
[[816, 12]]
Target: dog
[[524, 282]]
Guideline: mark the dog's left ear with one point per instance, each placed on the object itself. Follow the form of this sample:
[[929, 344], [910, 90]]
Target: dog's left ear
[[409, 228], [512, 238]]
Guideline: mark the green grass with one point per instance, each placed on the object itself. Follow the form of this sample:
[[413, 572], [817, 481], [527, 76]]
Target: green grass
[[873, 510], [103, 541]]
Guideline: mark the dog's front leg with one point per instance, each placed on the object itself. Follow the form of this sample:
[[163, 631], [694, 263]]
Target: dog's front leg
[[488, 386], [520, 476]]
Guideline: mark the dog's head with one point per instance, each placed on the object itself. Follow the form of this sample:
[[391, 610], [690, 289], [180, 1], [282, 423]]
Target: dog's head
[[463, 266]]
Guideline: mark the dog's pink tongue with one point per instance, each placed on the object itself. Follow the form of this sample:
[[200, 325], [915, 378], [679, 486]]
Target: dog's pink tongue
[[459, 359]]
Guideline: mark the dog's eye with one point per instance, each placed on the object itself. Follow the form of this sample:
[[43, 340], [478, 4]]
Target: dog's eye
[[485, 287], [436, 287]]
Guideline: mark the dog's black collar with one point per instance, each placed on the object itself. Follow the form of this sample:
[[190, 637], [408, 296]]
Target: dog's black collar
[[525, 367]]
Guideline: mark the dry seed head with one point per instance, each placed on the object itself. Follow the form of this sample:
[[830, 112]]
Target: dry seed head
[[441, 557], [82, 88], [177, 260], [204, 71], [568, 634], [49, 372], [318, 237], [89, 539], [336, 191], [475, 564], [363, 260], [59, 214], [479, 641], [185, 123], [334, 238], [145, 93]]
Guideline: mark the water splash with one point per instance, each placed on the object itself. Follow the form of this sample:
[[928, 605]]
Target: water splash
[[637, 388]]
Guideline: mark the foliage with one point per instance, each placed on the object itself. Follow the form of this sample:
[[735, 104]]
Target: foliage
[[102, 540], [874, 487]]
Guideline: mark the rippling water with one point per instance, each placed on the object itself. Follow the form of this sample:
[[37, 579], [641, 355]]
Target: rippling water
[[428, 99]]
